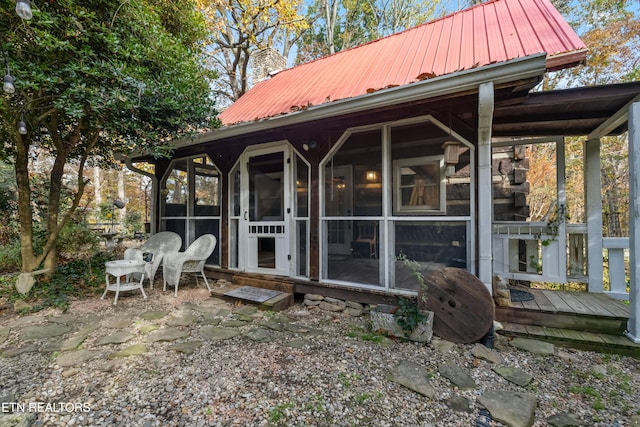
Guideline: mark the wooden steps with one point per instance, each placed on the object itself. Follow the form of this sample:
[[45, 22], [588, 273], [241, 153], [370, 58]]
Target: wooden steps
[[279, 302], [579, 311], [254, 283], [579, 320], [581, 340]]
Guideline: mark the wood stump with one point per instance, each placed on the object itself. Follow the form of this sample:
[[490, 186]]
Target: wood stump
[[462, 305]]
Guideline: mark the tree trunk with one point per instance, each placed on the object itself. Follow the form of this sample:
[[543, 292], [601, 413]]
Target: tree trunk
[[96, 187], [121, 195], [25, 214]]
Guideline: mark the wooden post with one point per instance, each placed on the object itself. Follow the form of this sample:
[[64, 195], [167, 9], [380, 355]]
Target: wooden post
[[634, 222], [484, 185], [593, 211]]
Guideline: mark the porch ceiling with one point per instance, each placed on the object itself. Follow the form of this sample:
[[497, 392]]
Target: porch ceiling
[[569, 112]]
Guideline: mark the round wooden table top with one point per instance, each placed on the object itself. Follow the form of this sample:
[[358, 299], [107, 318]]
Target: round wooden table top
[[462, 305]]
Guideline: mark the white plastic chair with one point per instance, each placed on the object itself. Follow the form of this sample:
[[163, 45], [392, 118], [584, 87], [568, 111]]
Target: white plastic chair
[[190, 261], [159, 245]]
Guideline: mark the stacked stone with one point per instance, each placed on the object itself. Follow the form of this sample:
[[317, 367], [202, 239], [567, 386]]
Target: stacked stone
[[501, 292], [352, 308], [222, 283]]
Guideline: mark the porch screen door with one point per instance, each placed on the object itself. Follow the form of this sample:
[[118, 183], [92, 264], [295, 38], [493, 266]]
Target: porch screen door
[[267, 211]]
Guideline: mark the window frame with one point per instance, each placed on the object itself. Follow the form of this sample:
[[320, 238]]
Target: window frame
[[398, 207]]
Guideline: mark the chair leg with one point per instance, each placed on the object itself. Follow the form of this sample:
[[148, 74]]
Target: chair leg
[[176, 293], [206, 282]]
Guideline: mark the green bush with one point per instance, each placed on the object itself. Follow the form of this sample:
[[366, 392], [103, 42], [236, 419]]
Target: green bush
[[10, 259], [133, 223], [78, 278], [76, 239]]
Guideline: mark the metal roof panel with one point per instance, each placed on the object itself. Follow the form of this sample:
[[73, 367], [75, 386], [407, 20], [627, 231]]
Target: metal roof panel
[[491, 32]]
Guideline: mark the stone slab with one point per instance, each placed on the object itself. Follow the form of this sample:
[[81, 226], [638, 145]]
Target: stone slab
[[412, 376], [250, 293]]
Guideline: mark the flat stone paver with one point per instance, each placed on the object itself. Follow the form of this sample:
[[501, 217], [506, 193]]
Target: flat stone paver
[[43, 332], [207, 309], [458, 404], [443, 346], [76, 357], [515, 375], [244, 317], [412, 376], [117, 337], [565, 420], [4, 333], [166, 334], [245, 309], [484, 353], [188, 347], [72, 343], [63, 319], [118, 323], [514, 409], [261, 335], [277, 323], [456, 375], [182, 319], [534, 346], [213, 333], [153, 314], [132, 350], [13, 352], [234, 323], [149, 328]]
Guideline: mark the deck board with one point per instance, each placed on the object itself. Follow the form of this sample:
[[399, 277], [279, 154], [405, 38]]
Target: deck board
[[617, 308], [558, 303], [598, 306], [543, 301], [576, 305]]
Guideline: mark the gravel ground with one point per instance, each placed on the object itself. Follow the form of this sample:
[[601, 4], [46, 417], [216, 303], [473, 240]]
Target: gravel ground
[[327, 370]]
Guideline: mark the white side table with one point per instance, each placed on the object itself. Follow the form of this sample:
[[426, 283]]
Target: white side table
[[121, 268]]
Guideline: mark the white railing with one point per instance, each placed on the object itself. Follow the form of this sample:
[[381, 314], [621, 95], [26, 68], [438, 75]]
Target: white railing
[[617, 255]]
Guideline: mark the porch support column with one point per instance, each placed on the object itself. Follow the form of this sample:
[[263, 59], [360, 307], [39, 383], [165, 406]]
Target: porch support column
[[485, 191], [634, 222], [593, 211]]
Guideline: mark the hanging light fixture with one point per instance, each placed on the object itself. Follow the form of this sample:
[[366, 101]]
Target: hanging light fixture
[[451, 156], [8, 82], [23, 9], [22, 126]]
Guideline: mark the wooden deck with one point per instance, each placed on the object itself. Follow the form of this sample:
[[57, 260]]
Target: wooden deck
[[572, 319]]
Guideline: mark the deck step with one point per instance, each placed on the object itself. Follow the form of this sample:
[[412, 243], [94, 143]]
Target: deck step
[[578, 311], [599, 342], [575, 321], [253, 296]]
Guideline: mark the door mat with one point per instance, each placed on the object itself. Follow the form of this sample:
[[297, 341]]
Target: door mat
[[252, 294], [518, 295]]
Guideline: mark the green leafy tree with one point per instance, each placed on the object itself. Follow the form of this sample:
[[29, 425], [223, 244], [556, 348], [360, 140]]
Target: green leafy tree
[[93, 78], [341, 24], [611, 31], [241, 28]]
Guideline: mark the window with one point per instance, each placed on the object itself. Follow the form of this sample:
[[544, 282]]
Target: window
[[419, 185]]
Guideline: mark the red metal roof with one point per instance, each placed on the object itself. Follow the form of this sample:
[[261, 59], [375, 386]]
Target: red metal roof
[[491, 32]]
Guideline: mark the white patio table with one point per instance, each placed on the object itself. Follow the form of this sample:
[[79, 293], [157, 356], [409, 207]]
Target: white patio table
[[125, 268]]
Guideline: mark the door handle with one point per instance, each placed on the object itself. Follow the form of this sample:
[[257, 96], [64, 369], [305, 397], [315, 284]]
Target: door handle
[[245, 215]]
